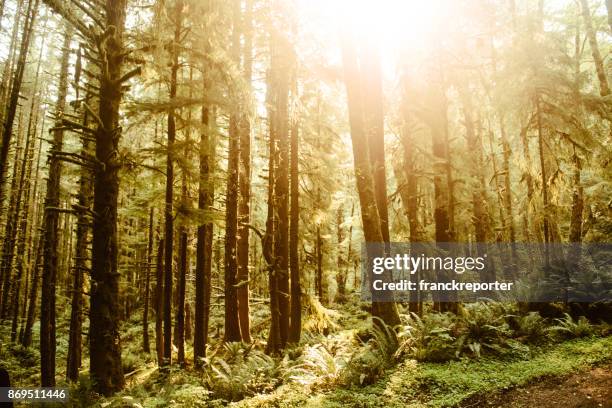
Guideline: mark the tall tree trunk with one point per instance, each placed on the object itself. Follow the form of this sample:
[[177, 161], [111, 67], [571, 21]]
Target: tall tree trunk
[[81, 257], [8, 245], [274, 343], [386, 311], [24, 219], [294, 237], [409, 187], [22, 215], [26, 340], [104, 343], [5, 82], [33, 243], [575, 232], [479, 215], [281, 69], [319, 260], [147, 289], [11, 106], [169, 217], [604, 86], [375, 130], [159, 302], [50, 240], [244, 177], [442, 182], [180, 312], [232, 323], [203, 273]]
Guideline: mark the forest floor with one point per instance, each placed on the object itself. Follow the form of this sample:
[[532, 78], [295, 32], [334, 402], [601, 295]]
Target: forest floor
[[576, 373], [571, 373], [585, 389]]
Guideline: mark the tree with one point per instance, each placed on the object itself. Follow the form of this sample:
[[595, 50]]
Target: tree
[[206, 194], [371, 223], [50, 240], [244, 180], [169, 216], [147, 289], [604, 86], [13, 99], [294, 233], [232, 323]]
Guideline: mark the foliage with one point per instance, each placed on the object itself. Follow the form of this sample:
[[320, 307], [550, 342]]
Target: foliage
[[530, 327], [572, 328], [243, 371]]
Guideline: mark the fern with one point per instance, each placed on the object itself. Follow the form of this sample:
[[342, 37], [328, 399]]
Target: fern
[[569, 327]]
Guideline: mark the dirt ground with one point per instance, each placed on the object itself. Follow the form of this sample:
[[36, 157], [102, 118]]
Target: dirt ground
[[586, 389]]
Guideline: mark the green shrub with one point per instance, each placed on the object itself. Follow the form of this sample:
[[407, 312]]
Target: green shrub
[[429, 338], [480, 328], [530, 328], [568, 327], [249, 372]]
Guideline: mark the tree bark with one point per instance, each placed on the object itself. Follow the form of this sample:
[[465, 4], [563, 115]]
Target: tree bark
[[294, 237], [159, 303], [50, 240], [244, 177], [232, 323], [104, 343], [11, 106], [203, 273], [80, 267], [169, 217], [147, 289], [386, 311], [604, 87], [374, 128], [273, 345], [281, 69], [442, 185]]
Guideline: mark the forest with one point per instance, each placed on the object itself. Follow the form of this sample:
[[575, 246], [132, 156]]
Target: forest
[[187, 188]]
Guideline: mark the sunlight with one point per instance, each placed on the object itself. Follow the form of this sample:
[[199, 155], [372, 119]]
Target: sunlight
[[390, 23]]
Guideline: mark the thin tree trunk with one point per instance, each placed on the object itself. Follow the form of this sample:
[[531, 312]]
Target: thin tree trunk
[[159, 302], [180, 312], [294, 237], [479, 215], [21, 266], [81, 257], [409, 189], [244, 177], [604, 87], [169, 217], [442, 182], [274, 343], [319, 261], [203, 273], [281, 189], [232, 323], [50, 240], [8, 245], [11, 106], [147, 289]]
